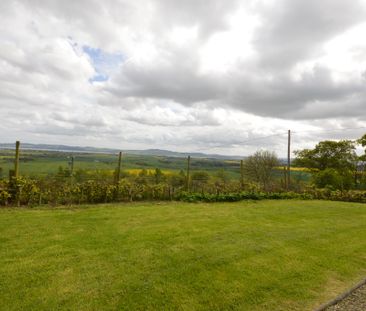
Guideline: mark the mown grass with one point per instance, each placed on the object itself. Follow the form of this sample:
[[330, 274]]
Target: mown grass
[[267, 255]]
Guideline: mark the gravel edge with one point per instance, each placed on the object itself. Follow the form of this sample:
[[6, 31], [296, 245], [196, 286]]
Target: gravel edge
[[342, 296]]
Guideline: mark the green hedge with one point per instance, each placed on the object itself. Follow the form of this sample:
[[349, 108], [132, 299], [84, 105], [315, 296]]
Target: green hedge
[[30, 192], [234, 197], [318, 194]]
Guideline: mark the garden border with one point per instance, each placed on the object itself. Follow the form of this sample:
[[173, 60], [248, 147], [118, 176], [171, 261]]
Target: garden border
[[341, 296]]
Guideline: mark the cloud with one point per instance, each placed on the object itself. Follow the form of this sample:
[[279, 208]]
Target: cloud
[[288, 98], [294, 30], [185, 75]]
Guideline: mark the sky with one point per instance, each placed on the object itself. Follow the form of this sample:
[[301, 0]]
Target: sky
[[193, 75]]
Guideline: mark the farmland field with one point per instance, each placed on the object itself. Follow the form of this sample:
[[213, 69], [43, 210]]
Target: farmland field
[[48, 162], [266, 255], [42, 163]]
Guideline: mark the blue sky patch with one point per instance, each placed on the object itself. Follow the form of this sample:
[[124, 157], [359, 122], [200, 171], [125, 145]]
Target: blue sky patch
[[103, 62]]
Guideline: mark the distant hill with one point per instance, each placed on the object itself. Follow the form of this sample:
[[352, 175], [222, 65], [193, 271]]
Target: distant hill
[[152, 152]]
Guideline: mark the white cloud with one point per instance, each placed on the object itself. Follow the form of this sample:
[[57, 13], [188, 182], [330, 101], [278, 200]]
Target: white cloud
[[183, 75]]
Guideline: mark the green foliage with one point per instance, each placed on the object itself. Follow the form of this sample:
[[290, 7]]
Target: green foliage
[[240, 196], [57, 191], [4, 193], [159, 176], [338, 195], [334, 163], [338, 155], [222, 176], [333, 179], [63, 172], [177, 180], [199, 181]]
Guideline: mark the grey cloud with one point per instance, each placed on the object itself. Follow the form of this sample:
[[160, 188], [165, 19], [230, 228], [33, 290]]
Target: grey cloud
[[173, 82], [292, 32], [295, 29], [285, 97], [174, 76], [282, 96], [210, 16], [43, 70], [364, 75]]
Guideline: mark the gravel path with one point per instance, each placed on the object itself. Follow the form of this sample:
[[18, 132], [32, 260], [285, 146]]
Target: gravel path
[[354, 302]]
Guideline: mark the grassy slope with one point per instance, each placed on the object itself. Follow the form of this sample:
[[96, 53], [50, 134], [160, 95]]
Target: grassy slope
[[270, 255]]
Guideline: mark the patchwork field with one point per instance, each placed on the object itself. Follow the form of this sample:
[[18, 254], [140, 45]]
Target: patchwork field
[[266, 255], [43, 163]]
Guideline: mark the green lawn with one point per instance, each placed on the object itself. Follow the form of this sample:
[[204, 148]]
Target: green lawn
[[267, 255]]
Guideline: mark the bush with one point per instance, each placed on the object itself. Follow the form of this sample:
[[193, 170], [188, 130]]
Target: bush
[[332, 179]]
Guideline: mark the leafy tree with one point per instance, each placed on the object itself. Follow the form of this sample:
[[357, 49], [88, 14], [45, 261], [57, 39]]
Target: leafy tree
[[334, 163], [259, 167], [339, 155]]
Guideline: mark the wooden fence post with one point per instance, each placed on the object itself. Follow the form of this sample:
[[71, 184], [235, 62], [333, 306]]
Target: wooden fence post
[[288, 160], [119, 167], [188, 172], [242, 174], [16, 163]]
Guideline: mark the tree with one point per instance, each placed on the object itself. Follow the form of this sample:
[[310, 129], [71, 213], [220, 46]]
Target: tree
[[339, 155], [334, 163], [259, 167]]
